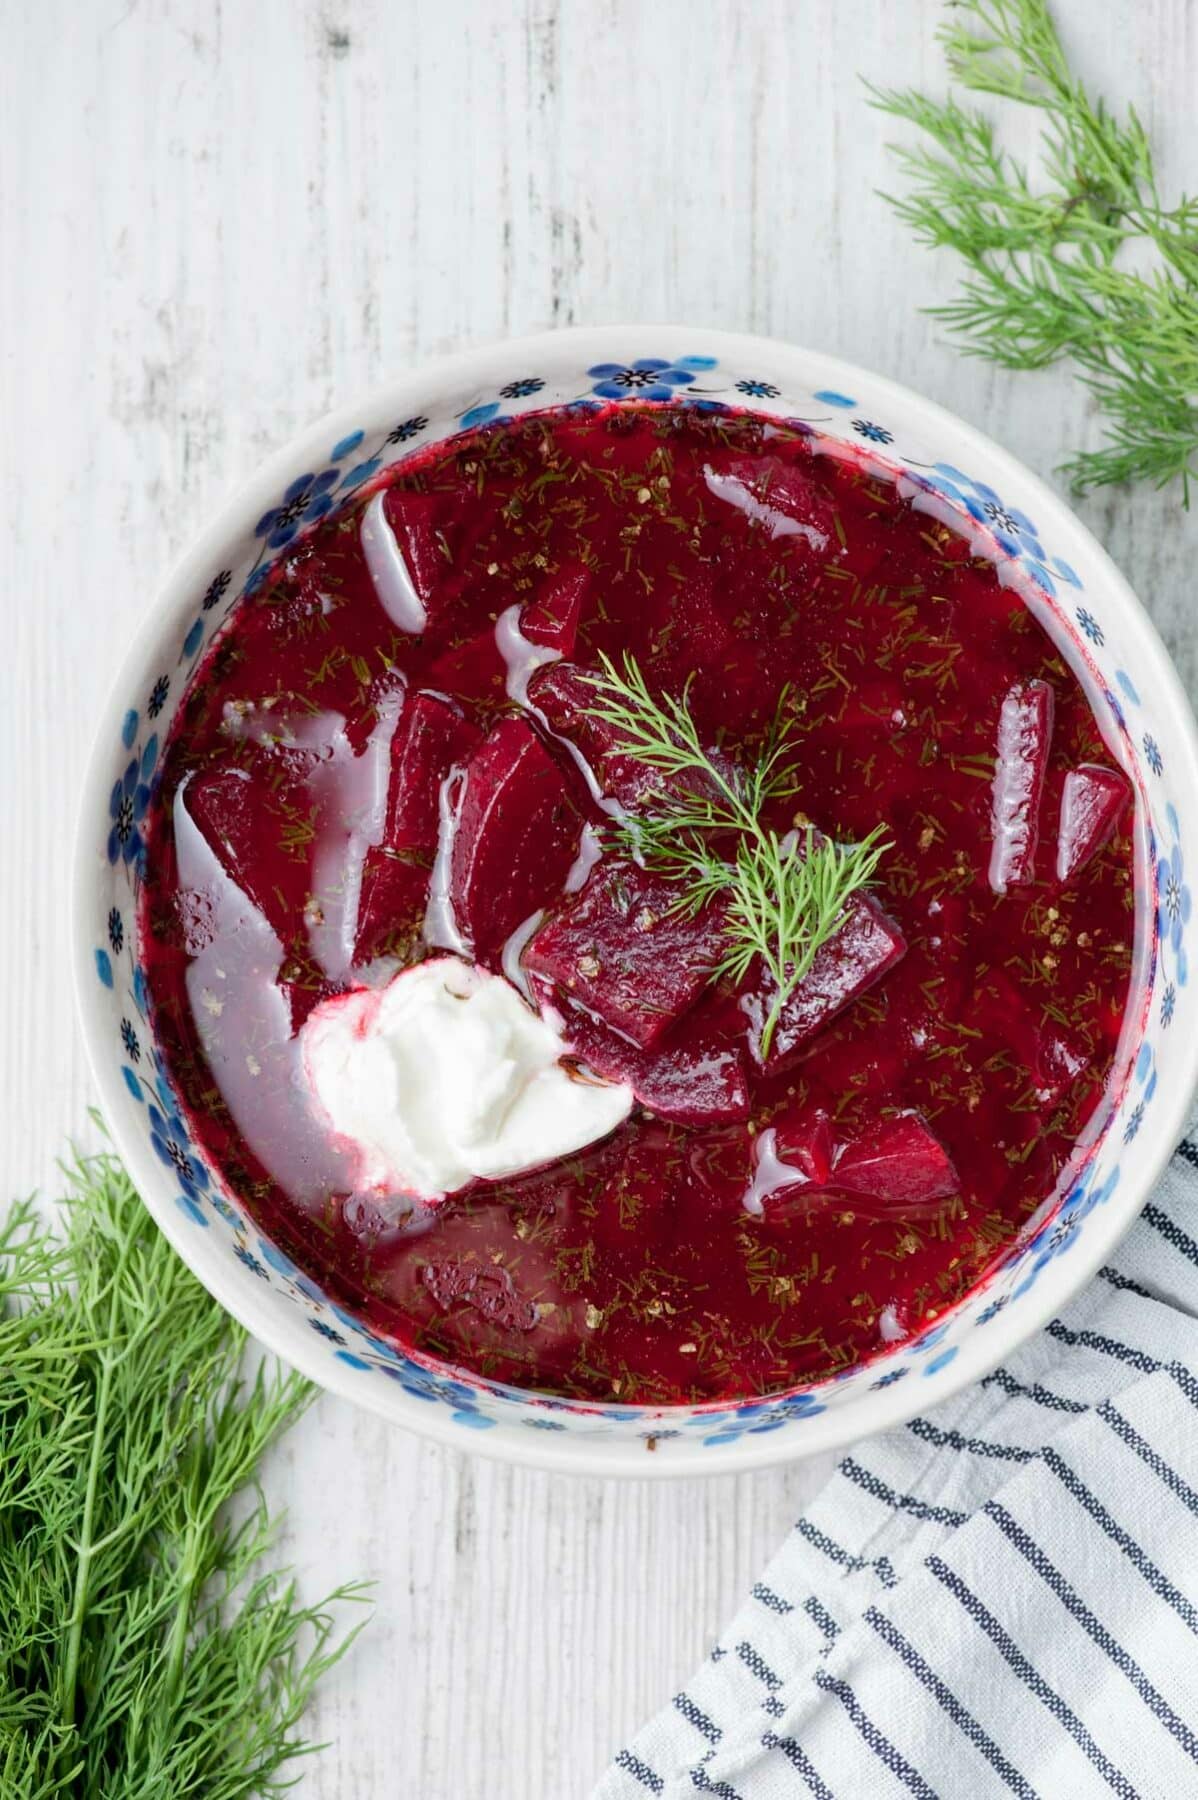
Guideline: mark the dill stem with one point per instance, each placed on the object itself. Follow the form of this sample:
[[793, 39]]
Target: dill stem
[[86, 1547]]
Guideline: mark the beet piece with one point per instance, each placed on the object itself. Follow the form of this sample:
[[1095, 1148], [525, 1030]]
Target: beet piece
[[900, 1163], [1021, 763], [779, 499], [807, 1144], [619, 950], [1044, 1054], [693, 1076], [431, 737], [391, 905], [551, 618], [471, 669], [561, 694], [1091, 801], [239, 815], [517, 835], [433, 532], [866, 946]]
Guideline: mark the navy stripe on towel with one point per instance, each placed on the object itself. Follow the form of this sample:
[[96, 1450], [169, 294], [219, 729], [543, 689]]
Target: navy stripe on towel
[[1009, 1649], [1093, 1627], [640, 1771], [960, 1714], [799, 1759], [878, 1742]]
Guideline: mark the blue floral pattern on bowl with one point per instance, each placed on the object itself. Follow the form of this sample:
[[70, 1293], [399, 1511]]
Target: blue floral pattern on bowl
[[855, 424]]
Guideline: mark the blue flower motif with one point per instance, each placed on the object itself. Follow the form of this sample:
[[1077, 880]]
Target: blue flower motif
[[354, 478], [1152, 754], [1090, 626], [326, 1331], [891, 1375], [126, 808], [158, 694], [1168, 1004], [303, 501], [650, 378], [877, 434], [168, 1135], [216, 590], [479, 415], [544, 1424], [758, 390], [1175, 905], [758, 1417], [1012, 530], [251, 1261], [129, 1040], [116, 931], [1135, 1120], [406, 429], [520, 390]]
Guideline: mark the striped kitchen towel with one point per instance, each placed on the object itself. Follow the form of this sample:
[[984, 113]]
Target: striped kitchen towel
[[1000, 1598]]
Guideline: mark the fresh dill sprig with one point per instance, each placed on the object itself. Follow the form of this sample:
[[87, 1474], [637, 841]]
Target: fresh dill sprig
[[145, 1650], [1084, 262], [784, 895]]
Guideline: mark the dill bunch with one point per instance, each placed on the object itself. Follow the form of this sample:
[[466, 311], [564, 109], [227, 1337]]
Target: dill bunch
[[784, 894], [145, 1652], [1084, 261]]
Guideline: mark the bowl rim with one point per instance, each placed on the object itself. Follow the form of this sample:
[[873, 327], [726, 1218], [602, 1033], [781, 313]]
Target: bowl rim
[[874, 1410]]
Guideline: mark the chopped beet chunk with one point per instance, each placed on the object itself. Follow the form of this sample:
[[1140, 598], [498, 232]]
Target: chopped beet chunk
[[867, 944], [1091, 801], [432, 736], [391, 906], [433, 532], [899, 1164], [237, 813], [807, 1144], [472, 669], [563, 695], [1020, 765], [779, 500], [551, 619], [693, 1075], [620, 950], [517, 835], [1049, 1060]]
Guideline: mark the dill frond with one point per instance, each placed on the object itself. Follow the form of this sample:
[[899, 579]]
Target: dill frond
[[1083, 261], [144, 1649], [784, 895]]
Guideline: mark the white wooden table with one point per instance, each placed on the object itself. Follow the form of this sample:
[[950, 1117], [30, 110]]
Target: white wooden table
[[216, 221]]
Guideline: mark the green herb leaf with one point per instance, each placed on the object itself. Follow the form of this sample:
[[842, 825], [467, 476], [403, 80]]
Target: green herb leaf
[[785, 894], [144, 1649], [1084, 262]]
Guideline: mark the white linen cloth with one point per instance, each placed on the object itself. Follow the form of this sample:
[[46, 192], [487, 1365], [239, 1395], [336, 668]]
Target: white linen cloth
[[1000, 1598]]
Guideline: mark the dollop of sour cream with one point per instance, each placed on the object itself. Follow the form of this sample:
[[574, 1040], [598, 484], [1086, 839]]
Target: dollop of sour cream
[[447, 1074]]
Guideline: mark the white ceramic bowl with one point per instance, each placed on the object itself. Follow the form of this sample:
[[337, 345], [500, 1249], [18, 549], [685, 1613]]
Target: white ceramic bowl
[[950, 469]]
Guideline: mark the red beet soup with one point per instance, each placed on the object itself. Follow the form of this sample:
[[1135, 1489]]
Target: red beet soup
[[745, 811]]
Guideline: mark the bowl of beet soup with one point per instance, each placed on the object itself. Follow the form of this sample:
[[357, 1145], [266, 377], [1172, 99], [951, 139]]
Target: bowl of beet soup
[[633, 902]]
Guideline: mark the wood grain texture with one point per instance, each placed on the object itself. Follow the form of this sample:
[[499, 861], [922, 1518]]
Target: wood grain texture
[[216, 221]]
